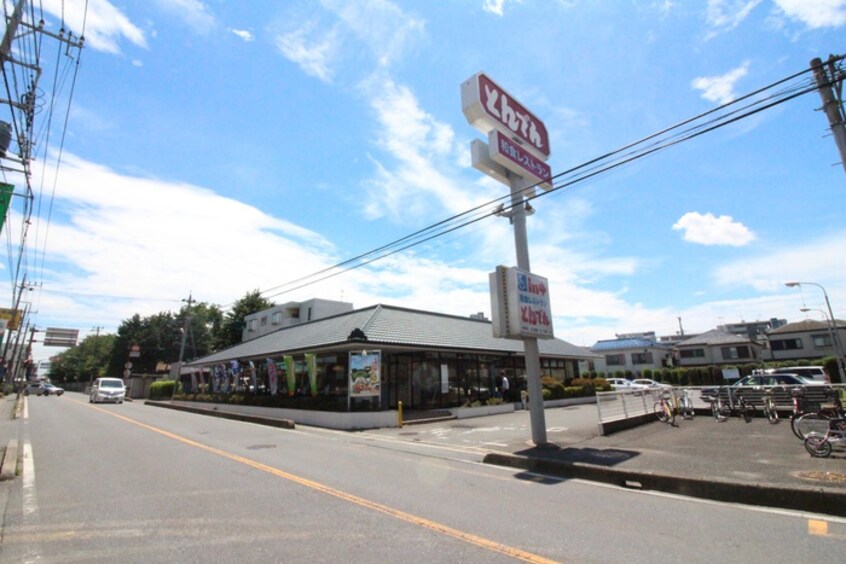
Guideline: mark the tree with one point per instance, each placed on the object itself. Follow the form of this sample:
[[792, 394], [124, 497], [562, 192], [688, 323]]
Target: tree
[[233, 322], [204, 329], [159, 338], [84, 362]]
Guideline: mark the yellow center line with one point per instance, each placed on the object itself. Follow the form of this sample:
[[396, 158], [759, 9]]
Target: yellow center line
[[396, 513]]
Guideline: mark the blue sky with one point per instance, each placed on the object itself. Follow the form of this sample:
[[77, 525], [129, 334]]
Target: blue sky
[[216, 147]]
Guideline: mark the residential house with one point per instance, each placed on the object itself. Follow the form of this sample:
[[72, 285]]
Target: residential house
[[717, 347]]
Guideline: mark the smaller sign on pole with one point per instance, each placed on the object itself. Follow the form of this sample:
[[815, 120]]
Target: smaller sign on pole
[[519, 161], [520, 305]]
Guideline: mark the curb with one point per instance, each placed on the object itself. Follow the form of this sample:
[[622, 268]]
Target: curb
[[816, 500], [9, 464], [269, 421]]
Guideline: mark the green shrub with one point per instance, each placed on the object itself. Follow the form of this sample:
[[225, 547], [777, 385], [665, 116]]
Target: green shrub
[[556, 388], [163, 389]]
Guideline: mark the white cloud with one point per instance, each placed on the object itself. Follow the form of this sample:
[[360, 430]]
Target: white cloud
[[105, 25], [381, 25], [728, 14], [815, 13], [312, 50], [820, 260], [419, 146], [710, 230], [194, 13], [244, 34], [121, 239], [720, 89]]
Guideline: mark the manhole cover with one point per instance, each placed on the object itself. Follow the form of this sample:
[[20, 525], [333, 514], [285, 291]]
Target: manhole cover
[[259, 447], [409, 434], [824, 476]]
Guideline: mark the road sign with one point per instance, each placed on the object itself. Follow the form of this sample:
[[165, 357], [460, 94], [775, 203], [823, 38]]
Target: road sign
[[55, 337], [128, 365], [134, 351]]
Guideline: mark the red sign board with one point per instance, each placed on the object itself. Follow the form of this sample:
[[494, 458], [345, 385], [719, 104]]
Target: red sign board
[[519, 161], [488, 106]]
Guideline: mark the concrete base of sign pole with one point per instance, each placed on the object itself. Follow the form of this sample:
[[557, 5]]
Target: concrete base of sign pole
[[533, 377]]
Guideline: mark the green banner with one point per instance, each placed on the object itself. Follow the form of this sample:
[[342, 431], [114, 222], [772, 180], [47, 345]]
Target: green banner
[[311, 363], [6, 191], [291, 374]]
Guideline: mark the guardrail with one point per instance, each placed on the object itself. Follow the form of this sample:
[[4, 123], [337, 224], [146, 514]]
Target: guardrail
[[623, 409]]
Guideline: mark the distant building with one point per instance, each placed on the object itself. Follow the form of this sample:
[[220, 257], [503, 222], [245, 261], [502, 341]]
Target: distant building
[[753, 329], [633, 354], [718, 347], [804, 340], [289, 314]]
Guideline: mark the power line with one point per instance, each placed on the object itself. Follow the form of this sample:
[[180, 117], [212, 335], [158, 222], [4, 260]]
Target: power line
[[745, 106]]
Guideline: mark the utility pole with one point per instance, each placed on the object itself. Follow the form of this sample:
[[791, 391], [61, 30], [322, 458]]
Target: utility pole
[[186, 327], [830, 84], [21, 48]]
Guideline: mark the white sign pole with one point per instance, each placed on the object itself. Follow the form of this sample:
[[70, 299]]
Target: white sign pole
[[530, 344]]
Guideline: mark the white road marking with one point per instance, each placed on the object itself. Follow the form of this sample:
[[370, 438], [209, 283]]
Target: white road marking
[[30, 500]]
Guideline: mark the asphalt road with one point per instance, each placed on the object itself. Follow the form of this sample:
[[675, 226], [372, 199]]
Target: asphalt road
[[134, 483]]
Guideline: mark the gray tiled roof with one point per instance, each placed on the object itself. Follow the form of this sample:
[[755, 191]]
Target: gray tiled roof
[[715, 337], [389, 325], [807, 325]]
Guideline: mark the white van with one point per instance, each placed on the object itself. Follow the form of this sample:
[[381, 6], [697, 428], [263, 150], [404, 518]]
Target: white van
[[107, 389], [815, 373]]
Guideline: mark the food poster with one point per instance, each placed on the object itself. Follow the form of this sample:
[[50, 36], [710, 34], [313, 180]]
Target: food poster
[[272, 376], [311, 365], [365, 369], [291, 374]]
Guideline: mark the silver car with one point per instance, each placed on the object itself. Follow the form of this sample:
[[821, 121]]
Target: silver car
[[107, 389]]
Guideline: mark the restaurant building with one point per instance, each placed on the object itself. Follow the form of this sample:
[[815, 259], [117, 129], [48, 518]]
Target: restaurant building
[[423, 359]]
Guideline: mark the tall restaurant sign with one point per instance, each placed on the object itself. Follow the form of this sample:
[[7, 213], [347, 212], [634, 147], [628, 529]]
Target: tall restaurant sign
[[486, 105]]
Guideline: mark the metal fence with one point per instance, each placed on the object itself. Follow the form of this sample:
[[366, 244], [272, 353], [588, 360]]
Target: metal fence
[[636, 406]]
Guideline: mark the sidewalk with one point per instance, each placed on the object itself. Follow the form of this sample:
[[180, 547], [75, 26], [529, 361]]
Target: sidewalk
[[9, 431], [751, 463]]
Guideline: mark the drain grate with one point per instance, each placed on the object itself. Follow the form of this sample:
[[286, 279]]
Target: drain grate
[[823, 476]]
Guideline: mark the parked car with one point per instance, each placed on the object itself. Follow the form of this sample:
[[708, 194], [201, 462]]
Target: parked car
[[620, 384], [816, 373], [648, 383], [107, 389], [51, 390], [752, 388]]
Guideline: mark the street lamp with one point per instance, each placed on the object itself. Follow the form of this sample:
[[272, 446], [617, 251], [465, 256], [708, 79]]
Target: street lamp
[[838, 350]]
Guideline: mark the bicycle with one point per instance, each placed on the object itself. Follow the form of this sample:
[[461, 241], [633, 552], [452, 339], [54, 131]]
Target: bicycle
[[770, 406], [745, 410], [817, 422], [664, 409], [686, 405], [719, 410], [820, 445]]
